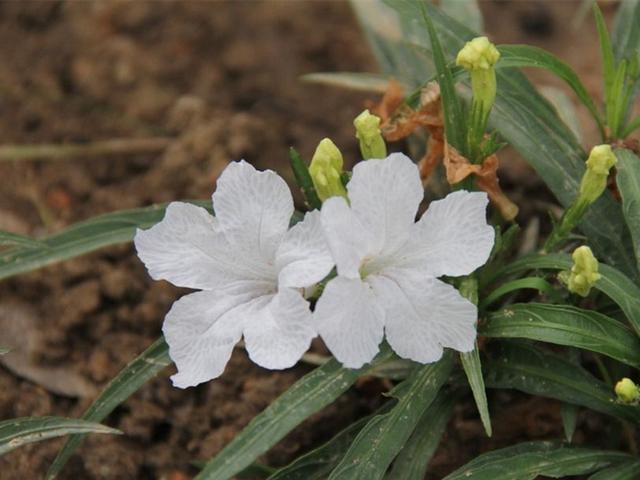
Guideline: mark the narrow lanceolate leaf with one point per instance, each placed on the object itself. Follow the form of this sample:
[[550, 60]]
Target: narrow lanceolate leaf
[[10, 238], [565, 325], [606, 52], [126, 383], [382, 438], [4, 350], [366, 82], [531, 370], [307, 396], [454, 124], [467, 13], [528, 461], [626, 30], [81, 238], [528, 56], [624, 471], [411, 463], [303, 178], [17, 432], [318, 463], [569, 412], [473, 370], [385, 33], [612, 283], [628, 180]]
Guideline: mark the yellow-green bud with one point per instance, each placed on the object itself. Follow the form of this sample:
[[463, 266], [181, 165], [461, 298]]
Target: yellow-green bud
[[368, 133], [627, 391], [478, 54], [584, 272], [594, 181], [479, 57], [325, 170]]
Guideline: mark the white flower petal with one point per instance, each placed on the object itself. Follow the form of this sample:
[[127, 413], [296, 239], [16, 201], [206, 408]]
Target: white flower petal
[[201, 330], [303, 257], [423, 315], [278, 329], [385, 195], [187, 249], [452, 237], [350, 321], [349, 241], [256, 206]]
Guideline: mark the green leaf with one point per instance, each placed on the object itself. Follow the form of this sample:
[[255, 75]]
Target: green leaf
[[631, 127], [608, 62], [534, 283], [565, 325], [531, 370], [382, 438], [385, 31], [569, 412], [473, 370], [146, 366], [454, 124], [612, 283], [527, 461], [307, 396], [366, 82], [624, 471], [303, 178], [84, 237], [529, 56], [9, 238], [317, 464], [565, 107], [412, 461], [87, 236], [17, 432], [628, 180], [4, 350], [626, 30], [468, 13]]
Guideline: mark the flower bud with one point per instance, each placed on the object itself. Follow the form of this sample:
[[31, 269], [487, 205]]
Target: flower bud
[[368, 133], [584, 272], [478, 54], [325, 170], [627, 391], [479, 57], [594, 180]]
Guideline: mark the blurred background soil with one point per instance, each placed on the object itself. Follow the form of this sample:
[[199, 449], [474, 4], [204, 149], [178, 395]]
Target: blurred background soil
[[219, 80]]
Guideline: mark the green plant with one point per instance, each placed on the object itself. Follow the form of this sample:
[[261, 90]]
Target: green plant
[[596, 317]]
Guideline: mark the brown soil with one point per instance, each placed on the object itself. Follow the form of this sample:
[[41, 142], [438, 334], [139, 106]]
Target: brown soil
[[221, 80]]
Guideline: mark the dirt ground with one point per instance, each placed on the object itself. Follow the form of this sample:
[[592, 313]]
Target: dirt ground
[[220, 80]]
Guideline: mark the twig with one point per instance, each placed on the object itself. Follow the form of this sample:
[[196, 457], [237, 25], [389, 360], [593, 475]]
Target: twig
[[119, 146]]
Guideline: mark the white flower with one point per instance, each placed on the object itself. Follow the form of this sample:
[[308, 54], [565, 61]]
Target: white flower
[[250, 267], [387, 266]]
